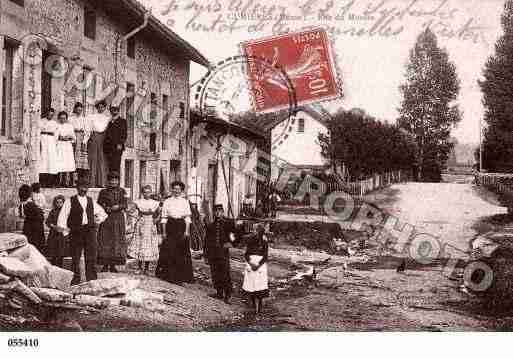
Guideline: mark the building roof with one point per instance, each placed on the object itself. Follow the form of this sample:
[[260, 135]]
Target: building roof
[[135, 13]]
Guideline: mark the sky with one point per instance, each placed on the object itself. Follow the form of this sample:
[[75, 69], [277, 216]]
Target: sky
[[371, 64]]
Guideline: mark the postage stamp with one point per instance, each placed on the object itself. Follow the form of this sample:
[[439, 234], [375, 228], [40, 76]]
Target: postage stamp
[[307, 60], [224, 93]]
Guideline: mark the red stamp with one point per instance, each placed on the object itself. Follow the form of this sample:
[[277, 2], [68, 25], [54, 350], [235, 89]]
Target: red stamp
[[306, 60]]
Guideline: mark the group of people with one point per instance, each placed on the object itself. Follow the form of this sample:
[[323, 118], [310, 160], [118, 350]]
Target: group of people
[[80, 146], [161, 235]]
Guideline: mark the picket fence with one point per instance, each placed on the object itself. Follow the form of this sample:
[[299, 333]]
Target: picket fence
[[357, 188], [499, 183]]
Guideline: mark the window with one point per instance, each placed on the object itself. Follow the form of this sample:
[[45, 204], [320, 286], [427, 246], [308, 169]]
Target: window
[[7, 86], [165, 109], [129, 176], [153, 142], [129, 115], [130, 47], [182, 109], [46, 87], [19, 2], [89, 23], [301, 125], [174, 171], [142, 174]]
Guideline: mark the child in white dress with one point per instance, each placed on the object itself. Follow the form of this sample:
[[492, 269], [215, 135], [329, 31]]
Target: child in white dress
[[255, 274], [65, 152], [145, 244]]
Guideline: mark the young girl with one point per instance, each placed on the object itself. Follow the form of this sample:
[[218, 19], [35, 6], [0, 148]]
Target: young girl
[[33, 226], [56, 241], [65, 156], [145, 246], [255, 274]]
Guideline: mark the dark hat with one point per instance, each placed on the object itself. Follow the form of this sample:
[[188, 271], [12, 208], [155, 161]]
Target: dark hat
[[82, 181], [99, 103], [113, 175], [218, 206]]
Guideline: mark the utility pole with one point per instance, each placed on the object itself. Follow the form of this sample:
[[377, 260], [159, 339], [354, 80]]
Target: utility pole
[[480, 145]]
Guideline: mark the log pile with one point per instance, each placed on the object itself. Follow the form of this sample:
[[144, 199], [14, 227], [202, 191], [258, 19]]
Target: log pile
[[30, 285]]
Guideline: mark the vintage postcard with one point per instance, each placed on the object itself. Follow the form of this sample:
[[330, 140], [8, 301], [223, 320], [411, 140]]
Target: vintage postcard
[[255, 165]]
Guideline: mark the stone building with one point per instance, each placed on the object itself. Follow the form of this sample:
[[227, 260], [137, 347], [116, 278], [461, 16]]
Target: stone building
[[56, 52]]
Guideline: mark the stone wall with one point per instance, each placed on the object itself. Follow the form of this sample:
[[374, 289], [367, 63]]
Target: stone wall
[[61, 22]]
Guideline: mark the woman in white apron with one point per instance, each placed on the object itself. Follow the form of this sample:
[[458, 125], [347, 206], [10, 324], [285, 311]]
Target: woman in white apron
[[48, 162], [255, 273], [65, 155]]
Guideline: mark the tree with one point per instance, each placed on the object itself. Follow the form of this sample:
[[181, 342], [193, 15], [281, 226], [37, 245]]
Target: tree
[[365, 145], [497, 88], [427, 110]]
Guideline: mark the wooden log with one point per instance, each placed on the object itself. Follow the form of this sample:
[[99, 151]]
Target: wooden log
[[26, 291]]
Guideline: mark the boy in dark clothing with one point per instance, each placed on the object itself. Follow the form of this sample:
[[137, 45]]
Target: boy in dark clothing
[[219, 237]]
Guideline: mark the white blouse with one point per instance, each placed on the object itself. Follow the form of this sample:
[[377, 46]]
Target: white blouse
[[66, 129], [98, 122], [81, 123], [176, 207], [146, 205], [48, 126]]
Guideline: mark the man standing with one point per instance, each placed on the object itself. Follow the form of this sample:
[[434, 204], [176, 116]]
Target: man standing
[[220, 236], [80, 215], [115, 138]]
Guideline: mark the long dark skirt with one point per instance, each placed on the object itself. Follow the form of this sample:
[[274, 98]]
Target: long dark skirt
[[220, 270], [97, 160], [112, 245], [175, 264]]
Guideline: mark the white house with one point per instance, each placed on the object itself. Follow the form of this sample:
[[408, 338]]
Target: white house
[[295, 141]]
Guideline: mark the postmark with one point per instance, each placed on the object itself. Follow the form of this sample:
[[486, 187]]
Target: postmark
[[226, 93], [307, 60]]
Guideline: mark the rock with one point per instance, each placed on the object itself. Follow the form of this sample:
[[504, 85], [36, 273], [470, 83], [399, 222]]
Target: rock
[[95, 301], [22, 253], [104, 287], [15, 267], [142, 298], [40, 269], [4, 278], [59, 278], [10, 241], [52, 295]]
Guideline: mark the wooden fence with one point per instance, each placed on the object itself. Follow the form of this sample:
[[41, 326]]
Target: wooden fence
[[500, 184], [358, 188]]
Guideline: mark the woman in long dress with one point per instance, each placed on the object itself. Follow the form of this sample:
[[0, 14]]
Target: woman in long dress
[[175, 264], [145, 244], [82, 132], [96, 157], [33, 224], [48, 166], [255, 282], [112, 245], [65, 154]]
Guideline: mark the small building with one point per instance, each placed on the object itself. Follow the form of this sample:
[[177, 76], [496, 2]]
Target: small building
[[54, 53], [295, 144], [229, 164]]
